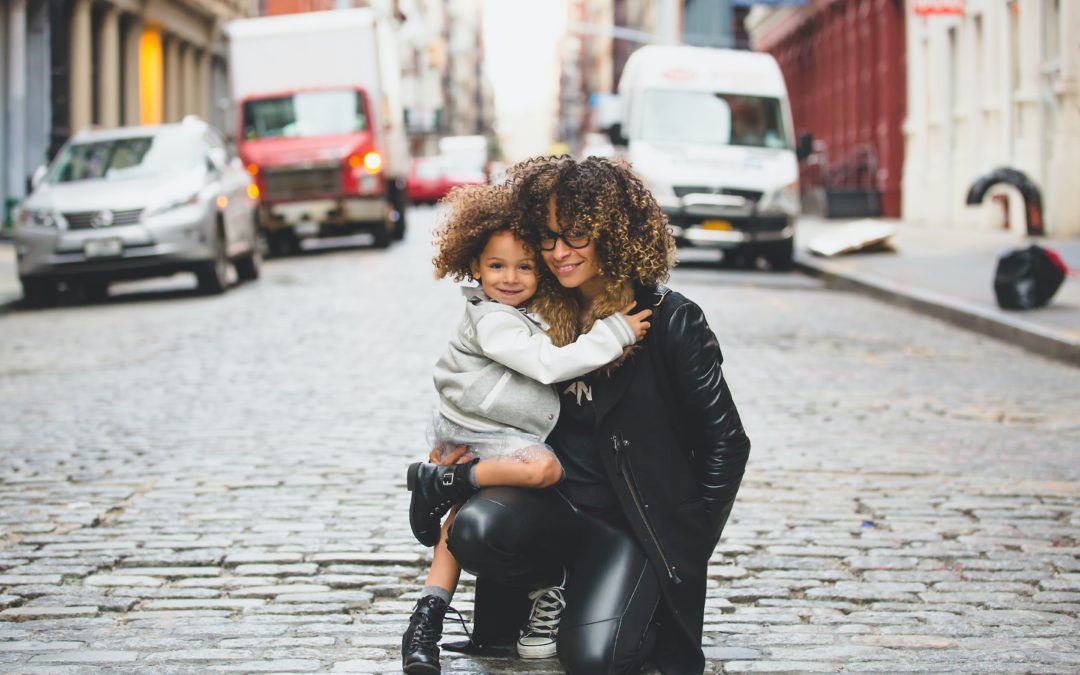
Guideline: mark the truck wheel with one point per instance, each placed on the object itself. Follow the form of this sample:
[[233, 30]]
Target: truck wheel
[[401, 203], [383, 233], [779, 255], [40, 292]]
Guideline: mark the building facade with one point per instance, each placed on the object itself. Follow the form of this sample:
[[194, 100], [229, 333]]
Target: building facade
[[844, 64], [70, 64], [995, 84]]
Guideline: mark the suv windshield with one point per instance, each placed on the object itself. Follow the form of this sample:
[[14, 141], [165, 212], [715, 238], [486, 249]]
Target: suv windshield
[[168, 151], [311, 113], [681, 116]]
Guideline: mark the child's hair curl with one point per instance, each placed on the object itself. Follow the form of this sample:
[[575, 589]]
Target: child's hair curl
[[473, 214]]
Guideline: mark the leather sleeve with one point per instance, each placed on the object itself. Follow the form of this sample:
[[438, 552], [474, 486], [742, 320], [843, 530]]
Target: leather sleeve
[[720, 444]]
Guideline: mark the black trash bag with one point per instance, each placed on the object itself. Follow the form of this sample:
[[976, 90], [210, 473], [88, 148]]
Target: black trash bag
[[1027, 278]]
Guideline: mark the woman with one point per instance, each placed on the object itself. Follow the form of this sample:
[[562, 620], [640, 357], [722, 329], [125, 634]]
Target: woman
[[652, 447]]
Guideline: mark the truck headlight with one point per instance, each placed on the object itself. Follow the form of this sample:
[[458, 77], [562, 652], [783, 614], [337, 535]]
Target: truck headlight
[[785, 200]]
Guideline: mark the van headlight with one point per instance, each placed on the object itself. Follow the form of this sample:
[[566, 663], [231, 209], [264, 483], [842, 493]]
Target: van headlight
[[38, 218], [785, 200]]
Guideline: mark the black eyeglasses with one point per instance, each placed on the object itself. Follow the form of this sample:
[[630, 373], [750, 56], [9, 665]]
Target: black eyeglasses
[[575, 241]]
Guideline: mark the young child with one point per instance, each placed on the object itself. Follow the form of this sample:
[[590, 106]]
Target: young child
[[496, 404]]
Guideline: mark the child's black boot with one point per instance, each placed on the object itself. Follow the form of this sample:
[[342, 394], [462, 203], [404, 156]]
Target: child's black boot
[[434, 490], [420, 643]]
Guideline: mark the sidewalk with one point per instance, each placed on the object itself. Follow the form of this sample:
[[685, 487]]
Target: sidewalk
[[949, 274]]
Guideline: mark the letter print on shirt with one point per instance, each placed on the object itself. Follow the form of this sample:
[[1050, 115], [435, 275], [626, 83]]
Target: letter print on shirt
[[579, 389]]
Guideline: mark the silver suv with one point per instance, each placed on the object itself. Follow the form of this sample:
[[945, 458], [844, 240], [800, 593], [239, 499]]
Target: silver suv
[[137, 202]]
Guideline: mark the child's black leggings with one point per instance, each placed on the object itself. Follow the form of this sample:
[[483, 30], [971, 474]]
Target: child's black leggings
[[515, 534]]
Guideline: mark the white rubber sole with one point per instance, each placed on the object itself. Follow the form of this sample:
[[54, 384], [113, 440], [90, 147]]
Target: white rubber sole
[[536, 651]]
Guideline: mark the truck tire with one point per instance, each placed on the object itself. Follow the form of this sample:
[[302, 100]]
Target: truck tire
[[282, 243], [400, 203], [383, 233]]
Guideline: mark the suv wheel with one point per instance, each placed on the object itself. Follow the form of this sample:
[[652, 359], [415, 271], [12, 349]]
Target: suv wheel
[[249, 265], [40, 292], [779, 255], [213, 275]]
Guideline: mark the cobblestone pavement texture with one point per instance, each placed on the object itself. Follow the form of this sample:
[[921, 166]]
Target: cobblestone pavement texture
[[192, 484]]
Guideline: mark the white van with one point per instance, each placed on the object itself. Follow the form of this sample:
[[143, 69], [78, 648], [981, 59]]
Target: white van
[[710, 133]]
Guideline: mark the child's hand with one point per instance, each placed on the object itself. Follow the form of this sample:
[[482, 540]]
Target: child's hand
[[459, 455], [639, 323]]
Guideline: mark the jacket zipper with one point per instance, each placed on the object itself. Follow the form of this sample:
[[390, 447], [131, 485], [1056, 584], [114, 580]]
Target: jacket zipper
[[628, 477]]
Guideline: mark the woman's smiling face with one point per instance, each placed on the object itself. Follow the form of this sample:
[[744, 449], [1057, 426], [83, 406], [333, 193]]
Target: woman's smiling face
[[576, 268]]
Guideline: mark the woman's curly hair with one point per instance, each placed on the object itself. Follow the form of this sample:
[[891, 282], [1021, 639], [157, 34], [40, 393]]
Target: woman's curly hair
[[606, 201], [474, 213], [603, 199]]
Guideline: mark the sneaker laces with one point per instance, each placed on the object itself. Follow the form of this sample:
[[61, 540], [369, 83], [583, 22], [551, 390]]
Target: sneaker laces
[[548, 605]]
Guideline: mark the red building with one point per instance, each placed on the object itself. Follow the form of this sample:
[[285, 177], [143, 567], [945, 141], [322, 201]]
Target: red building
[[844, 63]]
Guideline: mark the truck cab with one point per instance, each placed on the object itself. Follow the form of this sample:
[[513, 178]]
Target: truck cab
[[710, 133]]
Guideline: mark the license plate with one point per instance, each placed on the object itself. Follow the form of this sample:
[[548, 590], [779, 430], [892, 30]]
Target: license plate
[[102, 248], [307, 228], [716, 225]]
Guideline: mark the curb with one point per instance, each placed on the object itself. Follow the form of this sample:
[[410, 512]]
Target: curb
[[1017, 332]]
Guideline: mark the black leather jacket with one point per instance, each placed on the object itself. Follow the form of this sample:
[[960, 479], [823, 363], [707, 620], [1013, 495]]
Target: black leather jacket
[[675, 454]]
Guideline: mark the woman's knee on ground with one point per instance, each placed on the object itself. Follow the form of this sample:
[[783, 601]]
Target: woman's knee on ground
[[595, 649], [485, 535]]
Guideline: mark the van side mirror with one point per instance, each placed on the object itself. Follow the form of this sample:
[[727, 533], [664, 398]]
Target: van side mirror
[[805, 145], [615, 133], [38, 176]]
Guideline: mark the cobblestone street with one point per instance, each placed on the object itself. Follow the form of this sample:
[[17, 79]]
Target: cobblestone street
[[204, 484]]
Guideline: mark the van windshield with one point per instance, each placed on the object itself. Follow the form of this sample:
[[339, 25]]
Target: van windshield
[[306, 114], [681, 116]]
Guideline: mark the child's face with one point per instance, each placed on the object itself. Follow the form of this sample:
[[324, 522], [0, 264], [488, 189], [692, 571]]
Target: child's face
[[506, 270]]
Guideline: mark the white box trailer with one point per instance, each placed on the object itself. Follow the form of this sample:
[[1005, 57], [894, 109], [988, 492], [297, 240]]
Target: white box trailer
[[320, 124]]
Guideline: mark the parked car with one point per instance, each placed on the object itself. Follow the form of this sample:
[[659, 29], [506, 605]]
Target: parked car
[[137, 202], [430, 178], [427, 181]]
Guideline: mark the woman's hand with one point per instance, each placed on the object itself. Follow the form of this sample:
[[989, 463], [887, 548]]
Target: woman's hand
[[638, 322], [459, 455]]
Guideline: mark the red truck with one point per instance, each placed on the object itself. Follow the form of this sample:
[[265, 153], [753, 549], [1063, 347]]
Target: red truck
[[319, 124]]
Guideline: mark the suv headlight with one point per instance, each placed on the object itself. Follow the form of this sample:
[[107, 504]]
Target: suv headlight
[[785, 200], [38, 218]]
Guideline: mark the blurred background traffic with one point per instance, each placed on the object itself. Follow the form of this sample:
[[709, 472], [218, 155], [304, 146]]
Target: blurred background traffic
[[193, 135]]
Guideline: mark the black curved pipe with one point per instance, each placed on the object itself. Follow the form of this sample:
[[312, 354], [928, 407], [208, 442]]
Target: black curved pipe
[[1020, 181]]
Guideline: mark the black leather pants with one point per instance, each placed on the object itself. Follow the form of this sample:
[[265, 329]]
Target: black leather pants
[[526, 536]]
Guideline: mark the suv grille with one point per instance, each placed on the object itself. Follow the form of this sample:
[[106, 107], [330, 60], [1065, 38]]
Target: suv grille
[[300, 183], [751, 196], [85, 220]]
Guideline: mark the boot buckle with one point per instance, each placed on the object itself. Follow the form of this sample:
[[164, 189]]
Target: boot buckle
[[447, 479]]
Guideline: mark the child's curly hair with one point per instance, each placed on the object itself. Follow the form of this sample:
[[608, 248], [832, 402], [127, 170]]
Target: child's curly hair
[[603, 199], [474, 213]]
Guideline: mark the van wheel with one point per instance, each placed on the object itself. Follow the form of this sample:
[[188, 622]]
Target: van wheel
[[40, 292], [779, 255], [96, 291]]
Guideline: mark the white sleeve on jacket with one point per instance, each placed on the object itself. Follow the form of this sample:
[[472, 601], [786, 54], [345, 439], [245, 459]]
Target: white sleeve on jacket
[[505, 339]]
